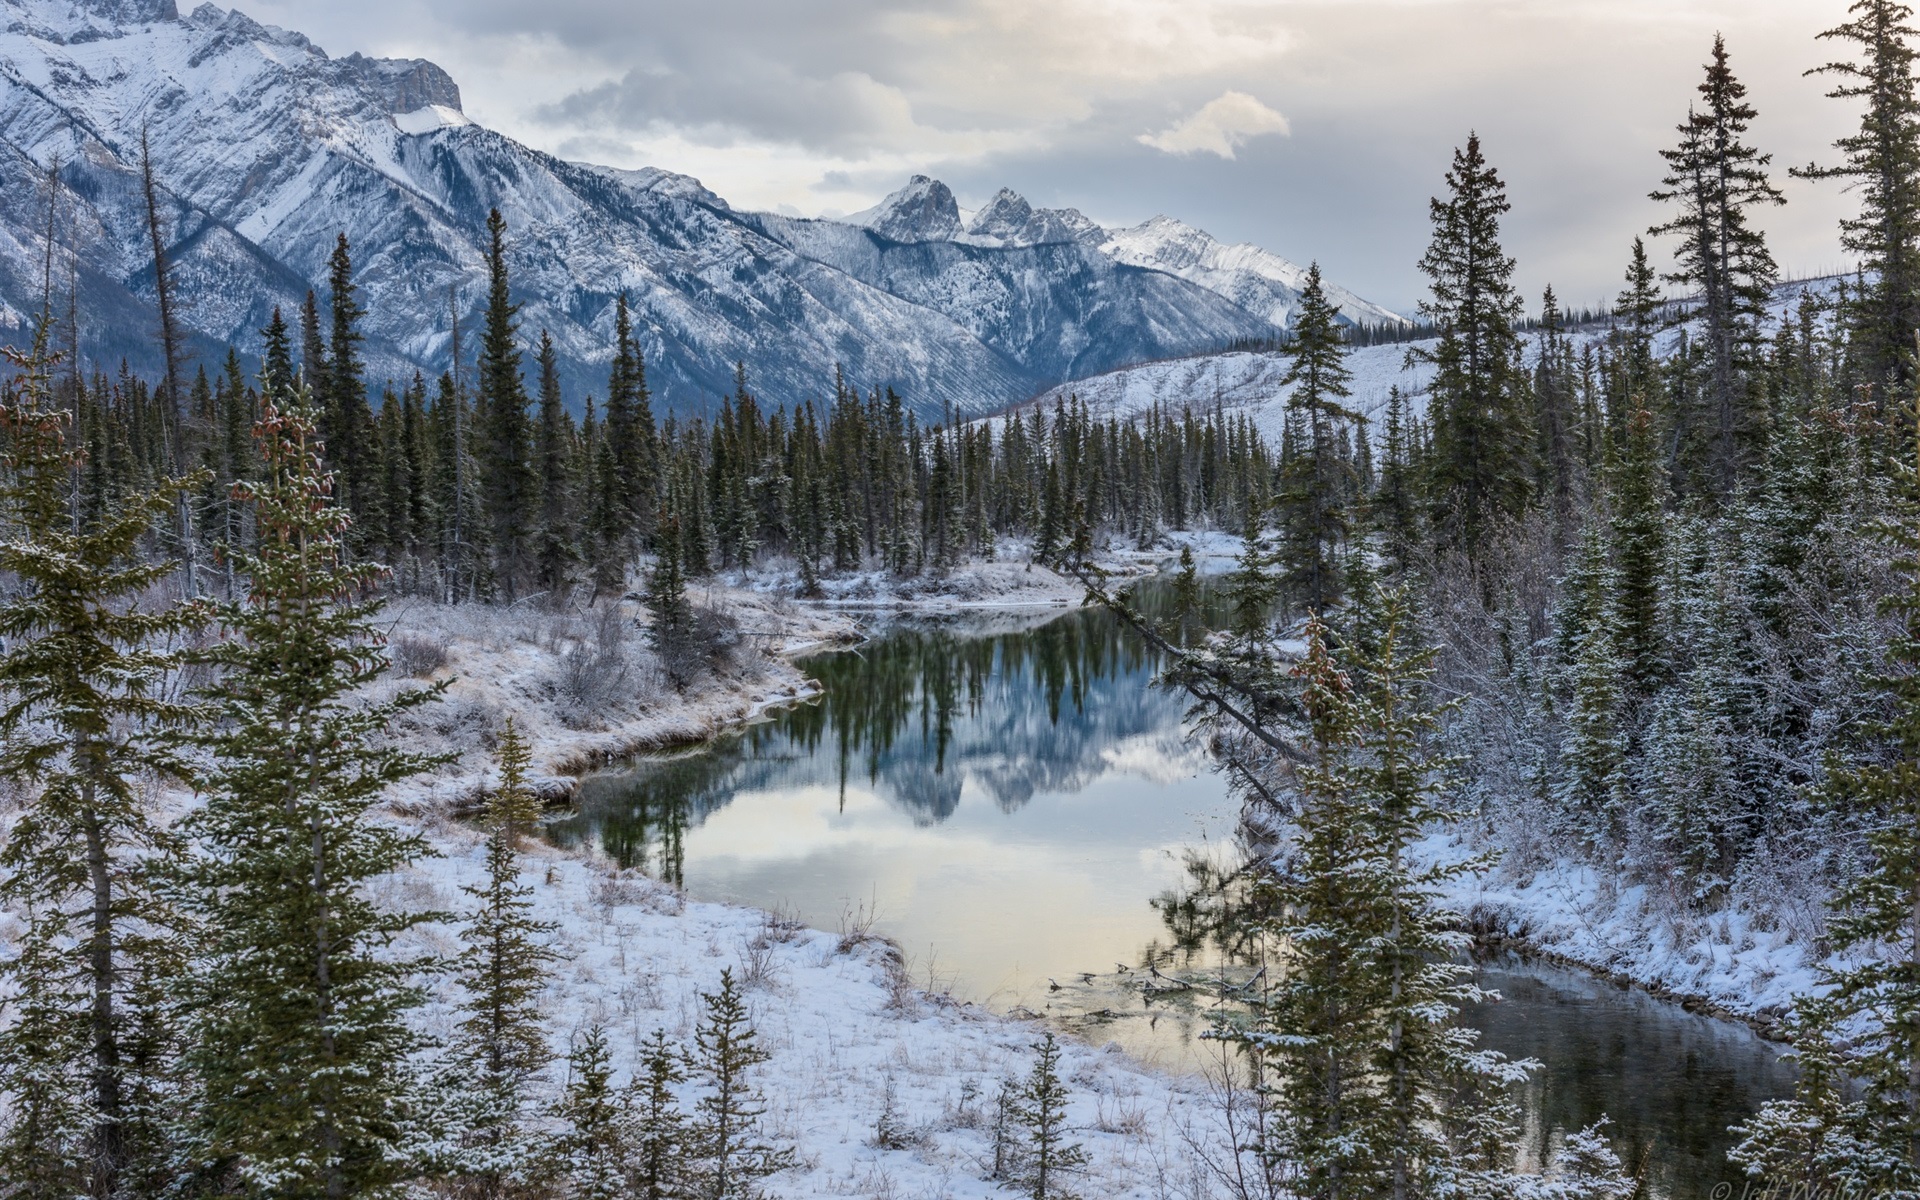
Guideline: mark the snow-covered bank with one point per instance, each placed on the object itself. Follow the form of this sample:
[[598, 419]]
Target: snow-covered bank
[[582, 687], [1010, 579], [851, 1036], [1746, 961]]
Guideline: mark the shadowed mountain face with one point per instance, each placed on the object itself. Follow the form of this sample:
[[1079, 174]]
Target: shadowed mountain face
[[265, 148]]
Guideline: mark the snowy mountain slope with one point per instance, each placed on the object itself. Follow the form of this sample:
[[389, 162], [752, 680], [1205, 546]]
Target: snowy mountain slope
[[1060, 308], [1260, 282], [265, 148], [1250, 381]]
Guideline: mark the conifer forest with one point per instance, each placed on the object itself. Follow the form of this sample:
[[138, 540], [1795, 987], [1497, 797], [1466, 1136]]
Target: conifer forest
[[387, 750]]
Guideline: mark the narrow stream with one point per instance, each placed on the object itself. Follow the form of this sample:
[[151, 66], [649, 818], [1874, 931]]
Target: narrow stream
[[1009, 799]]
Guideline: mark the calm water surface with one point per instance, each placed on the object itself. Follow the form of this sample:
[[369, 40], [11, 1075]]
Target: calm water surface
[[1008, 796]]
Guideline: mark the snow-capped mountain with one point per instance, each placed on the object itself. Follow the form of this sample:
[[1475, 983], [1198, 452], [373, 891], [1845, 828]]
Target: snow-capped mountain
[[1257, 280], [265, 148]]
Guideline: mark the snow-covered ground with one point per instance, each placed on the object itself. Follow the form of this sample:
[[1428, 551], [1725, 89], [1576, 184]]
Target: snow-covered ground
[[1010, 579], [847, 1028], [1748, 960], [850, 1035]]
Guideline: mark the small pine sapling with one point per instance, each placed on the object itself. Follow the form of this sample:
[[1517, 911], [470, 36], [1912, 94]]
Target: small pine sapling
[[589, 1153], [659, 1163], [1042, 1112], [731, 1157]]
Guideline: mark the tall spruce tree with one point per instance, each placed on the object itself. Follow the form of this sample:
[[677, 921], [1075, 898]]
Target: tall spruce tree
[[345, 420], [1318, 478], [90, 711], [1480, 467], [300, 1045], [509, 486], [1882, 162], [558, 536], [1717, 180]]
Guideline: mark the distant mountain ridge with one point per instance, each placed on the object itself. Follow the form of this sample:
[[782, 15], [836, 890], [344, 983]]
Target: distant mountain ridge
[[265, 148]]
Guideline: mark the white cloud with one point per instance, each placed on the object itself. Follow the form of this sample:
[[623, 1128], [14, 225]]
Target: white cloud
[[1221, 126]]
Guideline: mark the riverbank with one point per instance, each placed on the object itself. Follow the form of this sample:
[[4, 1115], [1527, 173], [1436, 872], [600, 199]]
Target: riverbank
[[1744, 962], [1010, 579], [858, 1046]]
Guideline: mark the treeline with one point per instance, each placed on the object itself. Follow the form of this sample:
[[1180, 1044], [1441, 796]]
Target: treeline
[[482, 485]]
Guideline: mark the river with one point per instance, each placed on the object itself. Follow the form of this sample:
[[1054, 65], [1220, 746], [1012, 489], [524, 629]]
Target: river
[[1010, 799]]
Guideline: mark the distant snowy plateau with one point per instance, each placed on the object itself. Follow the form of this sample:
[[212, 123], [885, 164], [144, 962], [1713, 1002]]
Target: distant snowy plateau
[[265, 148]]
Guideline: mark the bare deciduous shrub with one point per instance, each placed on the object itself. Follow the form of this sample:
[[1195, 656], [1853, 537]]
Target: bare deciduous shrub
[[417, 655], [757, 965], [856, 924], [593, 667], [711, 642]]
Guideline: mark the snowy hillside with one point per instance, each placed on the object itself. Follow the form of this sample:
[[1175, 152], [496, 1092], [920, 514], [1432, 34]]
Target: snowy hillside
[[265, 148], [1263, 283], [1250, 380]]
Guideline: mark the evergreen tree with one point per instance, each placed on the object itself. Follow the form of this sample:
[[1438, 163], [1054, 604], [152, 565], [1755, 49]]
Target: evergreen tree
[[89, 712], [1717, 180], [1592, 789], [590, 1152], [554, 552], [1395, 505], [508, 482], [1636, 320], [670, 630], [1882, 161], [660, 1139], [1866, 1138], [1480, 469], [729, 1155], [1041, 1107], [300, 1045], [1637, 531], [1313, 517], [1253, 588], [503, 969], [344, 416]]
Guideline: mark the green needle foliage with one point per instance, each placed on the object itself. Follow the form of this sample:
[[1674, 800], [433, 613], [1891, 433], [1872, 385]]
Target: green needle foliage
[[1041, 1108], [729, 1153], [1864, 1137], [590, 1152], [503, 970], [659, 1166], [88, 716], [300, 1041]]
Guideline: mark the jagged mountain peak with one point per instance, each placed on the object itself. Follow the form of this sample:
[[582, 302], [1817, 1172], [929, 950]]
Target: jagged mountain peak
[[1009, 220], [922, 211]]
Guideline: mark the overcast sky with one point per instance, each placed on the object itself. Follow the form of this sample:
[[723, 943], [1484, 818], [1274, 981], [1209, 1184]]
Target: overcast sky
[[1316, 128]]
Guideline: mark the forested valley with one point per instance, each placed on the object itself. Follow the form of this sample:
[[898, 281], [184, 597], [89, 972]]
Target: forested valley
[[1637, 591]]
